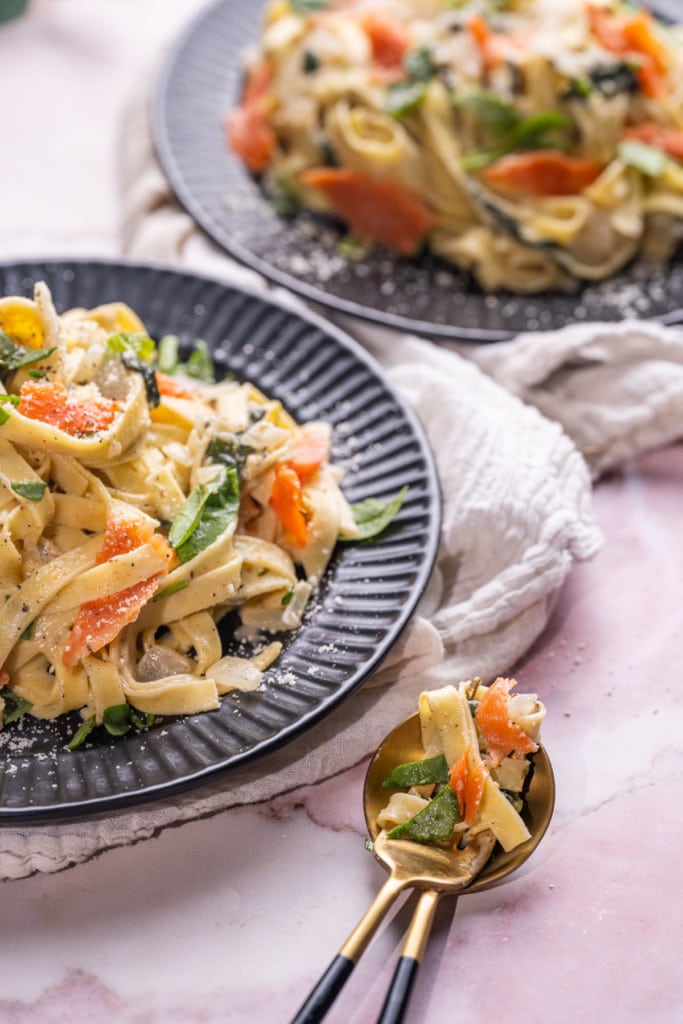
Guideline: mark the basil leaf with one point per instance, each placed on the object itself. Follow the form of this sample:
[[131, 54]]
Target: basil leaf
[[230, 453], [32, 490], [286, 598], [217, 511], [15, 706], [149, 377], [548, 130], [402, 97], [167, 354], [200, 364], [137, 352], [420, 65], [13, 356], [127, 341], [308, 6], [285, 200], [139, 722], [533, 132], [434, 823], [116, 719], [82, 733], [28, 632], [374, 515], [418, 773], [172, 588], [647, 159], [489, 109], [7, 400], [187, 520]]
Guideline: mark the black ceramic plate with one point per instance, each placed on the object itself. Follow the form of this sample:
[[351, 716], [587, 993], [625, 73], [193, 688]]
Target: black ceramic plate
[[201, 81], [364, 601]]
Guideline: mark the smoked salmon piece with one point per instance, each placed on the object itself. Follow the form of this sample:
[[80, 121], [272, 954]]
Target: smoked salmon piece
[[375, 209], [501, 735], [286, 500], [99, 622], [249, 134], [170, 387], [468, 785], [50, 402]]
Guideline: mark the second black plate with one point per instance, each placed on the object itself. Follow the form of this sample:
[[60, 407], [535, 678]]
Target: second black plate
[[199, 84]]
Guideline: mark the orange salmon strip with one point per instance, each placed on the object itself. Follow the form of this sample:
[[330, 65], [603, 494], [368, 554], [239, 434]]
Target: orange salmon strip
[[377, 210], [389, 38], [50, 402], [286, 500], [670, 140], [501, 735], [168, 386], [542, 173], [468, 785], [310, 452], [99, 622], [634, 34], [248, 132]]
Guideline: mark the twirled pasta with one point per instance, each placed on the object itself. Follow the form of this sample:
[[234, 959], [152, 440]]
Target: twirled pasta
[[534, 143], [136, 510]]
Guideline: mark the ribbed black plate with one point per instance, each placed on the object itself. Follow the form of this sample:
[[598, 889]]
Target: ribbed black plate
[[364, 601], [201, 81]]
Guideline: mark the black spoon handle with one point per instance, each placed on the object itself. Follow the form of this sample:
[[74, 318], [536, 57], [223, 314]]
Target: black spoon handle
[[332, 981], [398, 995], [325, 992]]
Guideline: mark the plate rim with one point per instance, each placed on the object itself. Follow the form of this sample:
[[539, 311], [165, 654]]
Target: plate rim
[[216, 772]]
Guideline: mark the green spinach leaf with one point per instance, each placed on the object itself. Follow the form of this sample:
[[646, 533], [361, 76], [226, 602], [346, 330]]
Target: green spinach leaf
[[434, 823], [208, 512], [308, 6], [418, 773], [14, 356], [82, 733], [374, 515], [15, 706], [116, 719], [32, 490]]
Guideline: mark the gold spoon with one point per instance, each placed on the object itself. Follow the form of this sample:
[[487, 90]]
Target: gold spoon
[[432, 869]]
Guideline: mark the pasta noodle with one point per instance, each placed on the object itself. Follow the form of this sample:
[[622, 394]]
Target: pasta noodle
[[533, 143], [137, 508], [476, 739]]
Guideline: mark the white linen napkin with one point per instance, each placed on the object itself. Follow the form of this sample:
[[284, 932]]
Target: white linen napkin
[[516, 507]]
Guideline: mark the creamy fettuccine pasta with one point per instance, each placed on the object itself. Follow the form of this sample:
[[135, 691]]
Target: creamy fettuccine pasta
[[477, 742], [138, 507], [535, 143]]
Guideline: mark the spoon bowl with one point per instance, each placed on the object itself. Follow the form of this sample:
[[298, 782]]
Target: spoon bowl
[[479, 865], [404, 743]]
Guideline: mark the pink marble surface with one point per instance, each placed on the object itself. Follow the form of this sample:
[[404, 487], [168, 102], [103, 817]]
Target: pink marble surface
[[233, 918]]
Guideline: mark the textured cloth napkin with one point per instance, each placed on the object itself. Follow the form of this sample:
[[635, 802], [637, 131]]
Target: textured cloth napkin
[[516, 430]]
